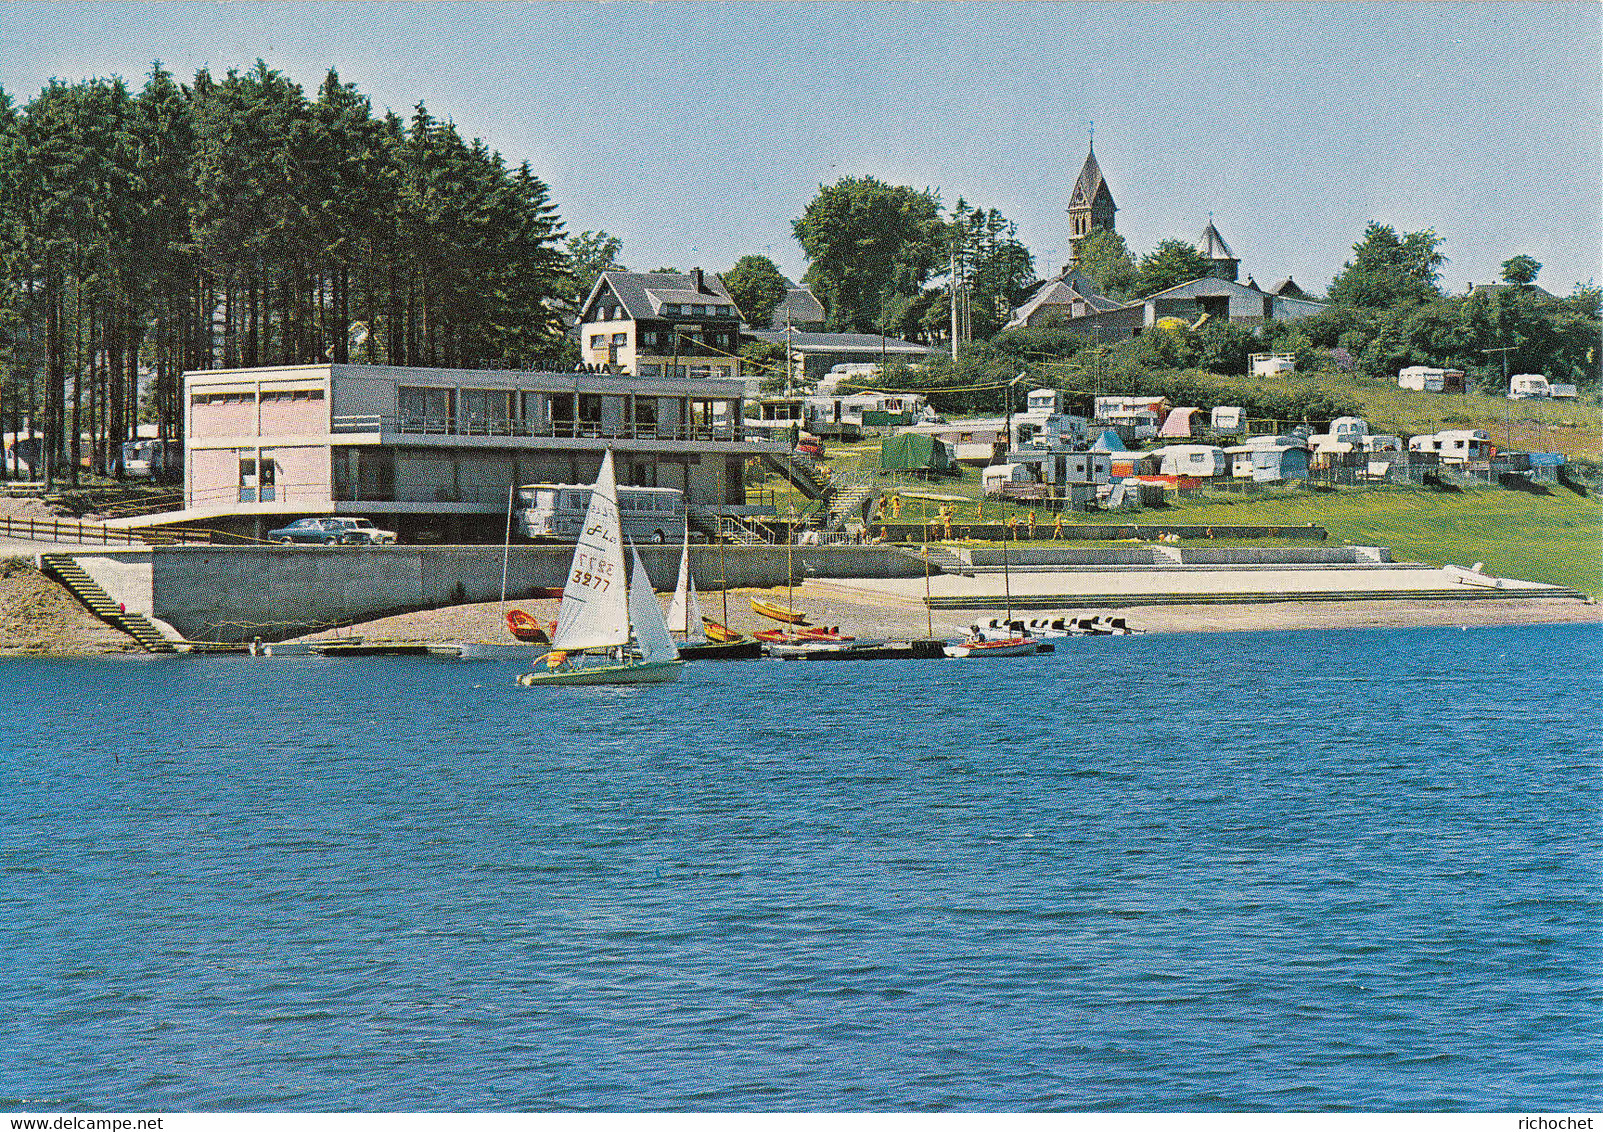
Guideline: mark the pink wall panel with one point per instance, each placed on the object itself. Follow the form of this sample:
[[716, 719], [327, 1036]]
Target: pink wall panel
[[217, 418], [303, 474], [294, 418], [214, 476]]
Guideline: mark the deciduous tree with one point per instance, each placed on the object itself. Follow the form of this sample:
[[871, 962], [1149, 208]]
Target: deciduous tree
[[866, 241], [757, 287]]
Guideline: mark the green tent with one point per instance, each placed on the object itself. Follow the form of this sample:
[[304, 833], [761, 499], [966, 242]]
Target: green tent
[[914, 452]]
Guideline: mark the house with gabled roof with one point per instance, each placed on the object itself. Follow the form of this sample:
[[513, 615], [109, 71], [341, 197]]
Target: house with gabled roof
[[662, 324], [1071, 295], [799, 310], [1224, 300]]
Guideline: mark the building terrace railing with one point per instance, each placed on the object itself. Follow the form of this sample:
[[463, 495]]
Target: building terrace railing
[[74, 531], [447, 426]]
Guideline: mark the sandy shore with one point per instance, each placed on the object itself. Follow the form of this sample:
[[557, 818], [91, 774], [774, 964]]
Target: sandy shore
[[848, 605]]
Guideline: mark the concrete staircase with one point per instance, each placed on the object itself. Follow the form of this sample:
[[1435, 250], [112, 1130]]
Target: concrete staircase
[[65, 569], [731, 529], [940, 559], [803, 471], [850, 499]]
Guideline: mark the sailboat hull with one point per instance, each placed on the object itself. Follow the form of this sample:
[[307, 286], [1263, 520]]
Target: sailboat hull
[[725, 650], [654, 672]]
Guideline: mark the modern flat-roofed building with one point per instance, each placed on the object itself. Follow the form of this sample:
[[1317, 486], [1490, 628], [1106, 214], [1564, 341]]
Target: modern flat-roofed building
[[432, 453]]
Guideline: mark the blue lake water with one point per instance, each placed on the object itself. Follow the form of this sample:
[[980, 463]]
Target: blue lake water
[[1236, 871]]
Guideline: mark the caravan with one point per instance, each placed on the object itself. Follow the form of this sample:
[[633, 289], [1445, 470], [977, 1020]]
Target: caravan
[[1455, 445], [1523, 386]]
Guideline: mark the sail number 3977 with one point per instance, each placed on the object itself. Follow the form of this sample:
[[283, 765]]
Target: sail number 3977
[[588, 570]]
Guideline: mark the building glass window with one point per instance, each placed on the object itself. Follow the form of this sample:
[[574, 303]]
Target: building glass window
[[426, 409], [247, 476], [487, 410], [620, 339], [597, 341]]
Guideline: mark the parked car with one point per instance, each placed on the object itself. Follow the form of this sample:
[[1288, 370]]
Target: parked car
[[811, 446], [336, 530], [361, 532]]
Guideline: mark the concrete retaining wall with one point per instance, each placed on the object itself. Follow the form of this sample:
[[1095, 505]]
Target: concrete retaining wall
[[233, 593], [236, 593], [1044, 529], [1164, 555]]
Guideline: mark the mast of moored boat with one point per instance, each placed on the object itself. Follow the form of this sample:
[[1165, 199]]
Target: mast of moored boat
[[1007, 582], [723, 573], [506, 553], [929, 614]]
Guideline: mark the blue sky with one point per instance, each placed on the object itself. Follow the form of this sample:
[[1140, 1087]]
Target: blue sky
[[697, 131]]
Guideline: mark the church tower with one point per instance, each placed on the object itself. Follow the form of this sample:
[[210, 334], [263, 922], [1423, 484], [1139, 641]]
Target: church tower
[[1090, 207], [1222, 262]]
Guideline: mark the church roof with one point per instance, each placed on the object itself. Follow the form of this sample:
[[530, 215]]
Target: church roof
[[1090, 184], [1213, 246], [1288, 287]]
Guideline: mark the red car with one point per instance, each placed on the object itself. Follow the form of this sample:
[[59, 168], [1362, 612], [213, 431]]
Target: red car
[[811, 446]]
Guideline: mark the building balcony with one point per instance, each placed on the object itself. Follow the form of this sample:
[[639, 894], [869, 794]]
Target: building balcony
[[564, 429]]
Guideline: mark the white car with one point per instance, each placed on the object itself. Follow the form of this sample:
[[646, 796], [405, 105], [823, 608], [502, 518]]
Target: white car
[[359, 532]]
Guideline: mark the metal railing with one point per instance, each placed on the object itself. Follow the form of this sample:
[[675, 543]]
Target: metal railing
[[74, 531], [579, 430]]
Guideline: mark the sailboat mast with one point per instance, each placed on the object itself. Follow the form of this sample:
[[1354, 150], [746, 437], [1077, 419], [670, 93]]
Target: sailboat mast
[[723, 574], [929, 615], [1007, 582], [506, 554]]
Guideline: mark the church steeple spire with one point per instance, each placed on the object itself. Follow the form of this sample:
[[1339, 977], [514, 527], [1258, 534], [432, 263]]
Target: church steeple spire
[[1090, 205]]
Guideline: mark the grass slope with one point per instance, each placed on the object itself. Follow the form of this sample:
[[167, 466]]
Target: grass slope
[[1571, 427], [1554, 538]]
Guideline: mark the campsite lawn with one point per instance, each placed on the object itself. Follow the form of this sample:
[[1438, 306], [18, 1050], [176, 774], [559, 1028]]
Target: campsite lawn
[[1556, 538]]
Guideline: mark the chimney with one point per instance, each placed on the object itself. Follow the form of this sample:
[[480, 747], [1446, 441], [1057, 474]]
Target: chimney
[[696, 283]]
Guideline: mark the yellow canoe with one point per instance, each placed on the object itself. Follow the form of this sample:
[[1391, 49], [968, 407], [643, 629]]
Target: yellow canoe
[[778, 612]]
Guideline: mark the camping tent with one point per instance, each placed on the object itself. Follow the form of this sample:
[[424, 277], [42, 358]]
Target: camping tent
[[1109, 442], [912, 452]]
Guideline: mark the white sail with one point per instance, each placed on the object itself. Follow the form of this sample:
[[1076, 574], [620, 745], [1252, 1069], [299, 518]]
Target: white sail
[[679, 607], [651, 631], [684, 612], [695, 634], [595, 604]]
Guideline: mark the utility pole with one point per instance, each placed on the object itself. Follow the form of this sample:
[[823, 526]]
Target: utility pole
[[1508, 413], [954, 307]]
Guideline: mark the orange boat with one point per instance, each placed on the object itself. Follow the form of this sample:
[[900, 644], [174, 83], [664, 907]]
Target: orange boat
[[801, 636], [720, 634], [526, 627]]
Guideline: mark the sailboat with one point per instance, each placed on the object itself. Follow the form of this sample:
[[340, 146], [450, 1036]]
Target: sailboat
[[1011, 639], [601, 611], [685, 619]]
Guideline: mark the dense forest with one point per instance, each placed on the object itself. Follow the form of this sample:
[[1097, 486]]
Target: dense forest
[[237, 222]]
